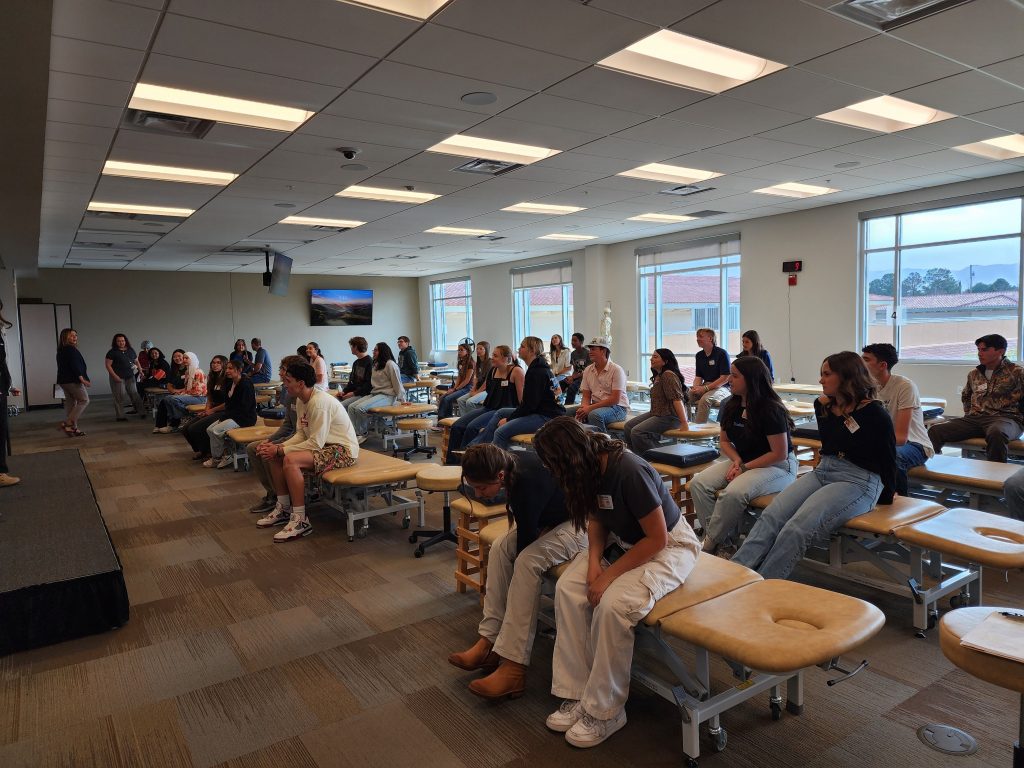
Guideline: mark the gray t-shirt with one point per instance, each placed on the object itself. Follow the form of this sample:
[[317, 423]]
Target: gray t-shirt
[[629, 490], [900, 393]]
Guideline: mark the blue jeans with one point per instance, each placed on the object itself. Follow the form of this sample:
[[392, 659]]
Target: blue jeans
[[447, 403], [407, 379], [524, 425], [816, 505], [908, 456], [467, 426], [358, 411], [486, 435], [1013, 489], [602, 417]]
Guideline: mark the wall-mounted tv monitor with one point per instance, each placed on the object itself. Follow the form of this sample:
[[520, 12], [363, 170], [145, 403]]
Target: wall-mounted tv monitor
[[280, 276], [340, 306]]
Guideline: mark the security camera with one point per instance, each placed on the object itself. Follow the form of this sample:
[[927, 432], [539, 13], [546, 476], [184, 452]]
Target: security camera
[[348, 152]]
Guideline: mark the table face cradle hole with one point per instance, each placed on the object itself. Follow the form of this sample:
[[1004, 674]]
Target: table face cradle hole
[[995, 534]]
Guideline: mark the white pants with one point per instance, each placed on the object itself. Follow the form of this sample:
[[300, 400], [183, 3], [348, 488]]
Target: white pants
[[217, 432], [594, 646], [513, 587]]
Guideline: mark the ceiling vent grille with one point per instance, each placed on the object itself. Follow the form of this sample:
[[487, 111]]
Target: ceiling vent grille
[[704, 214], [884, 15], [324, 228], [168, 125], [468, 261], [487, 167], [685, 189], [141, 217]]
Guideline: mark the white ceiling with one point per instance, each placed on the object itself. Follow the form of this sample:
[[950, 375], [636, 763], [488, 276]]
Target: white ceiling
[[392, 86]]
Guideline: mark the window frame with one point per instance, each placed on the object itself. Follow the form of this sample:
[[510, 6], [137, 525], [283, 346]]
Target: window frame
[[521, 309], [438, 327]]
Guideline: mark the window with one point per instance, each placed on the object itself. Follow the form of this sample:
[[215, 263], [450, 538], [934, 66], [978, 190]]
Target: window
[[542, 301], [686, 286], [451, 313], [958, 271]]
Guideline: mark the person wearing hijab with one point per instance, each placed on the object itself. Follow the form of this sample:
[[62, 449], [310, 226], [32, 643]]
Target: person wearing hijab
[[192, 392]]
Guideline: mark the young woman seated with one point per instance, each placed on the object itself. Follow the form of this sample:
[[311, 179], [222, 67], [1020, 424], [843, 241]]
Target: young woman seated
[[217, 385], [668, 411], [856, 471], [540, 538], [639, 549], [465, 372], [751, 341], [239, 411], [757, 453], [474, 399], [504, 391], [242, 356], [159, 371], [385, 389], [172, 409]]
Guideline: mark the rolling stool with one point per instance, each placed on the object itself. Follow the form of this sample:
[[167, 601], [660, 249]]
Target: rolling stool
[[434, 478], [417, 427]]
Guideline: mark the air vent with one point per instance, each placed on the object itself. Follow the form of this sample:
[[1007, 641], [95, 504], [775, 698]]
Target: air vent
[[169, 125], [93, 246], [487, 167], [242, 249], [140, 217], [490, 238], [704, 214], [889, 14], [407, 256], [323, 228], [468, 261], [685, 189]]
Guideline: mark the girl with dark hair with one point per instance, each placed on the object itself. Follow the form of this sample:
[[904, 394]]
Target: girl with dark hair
[[239, 411], [463, 382], [73, 378], [540, 537], [474, 399], [159, 370], [558, 358], [192, 391], [751, 341], [316, 359], [242, 355], [122, 367], [217, 385], [504, 391], [639, 549], [385, 389], [5, 389], [668, 411], [757, 453], [856, 471]]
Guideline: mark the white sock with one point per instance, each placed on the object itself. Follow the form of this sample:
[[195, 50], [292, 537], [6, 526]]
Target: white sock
[[299, 513], [284, 502]]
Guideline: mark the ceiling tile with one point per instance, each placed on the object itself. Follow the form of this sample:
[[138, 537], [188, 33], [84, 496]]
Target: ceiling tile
[[684, 137], [566, 113], [84, 58], [588, 163], [777, 172], [348, 131], [382, 109], [553, 137], [100, 21], [711, 160], [1010, 119], [724, 112], [827, 160], [818, 133], [63, 111], [1011, 70], [661, 13], [891, 147], [768, 150], [638, 151], [945, 160], [964, 93], [597, 85], [142, 147], [794, 90], [888, 171], [92, 90], [78, 134], [114, 189], [977, 33], [950, 133]]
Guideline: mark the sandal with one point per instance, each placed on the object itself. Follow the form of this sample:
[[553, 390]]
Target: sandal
[[76, 432]]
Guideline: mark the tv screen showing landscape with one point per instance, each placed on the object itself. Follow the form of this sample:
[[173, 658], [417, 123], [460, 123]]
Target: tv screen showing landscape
[[340, 307]]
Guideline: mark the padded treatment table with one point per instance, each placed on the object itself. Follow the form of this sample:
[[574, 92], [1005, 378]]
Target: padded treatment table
[[696, 431], [677, 478], [385, 418], [352, 490], [974, 447], [974, 477], [240, 438]]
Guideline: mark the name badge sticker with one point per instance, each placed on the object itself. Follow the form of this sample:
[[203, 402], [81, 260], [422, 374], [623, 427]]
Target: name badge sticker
[[604, 501], [851, 424], [504, 383], [305, 421]]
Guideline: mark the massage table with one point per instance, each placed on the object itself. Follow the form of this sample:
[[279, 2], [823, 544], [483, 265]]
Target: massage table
[[356, 491]]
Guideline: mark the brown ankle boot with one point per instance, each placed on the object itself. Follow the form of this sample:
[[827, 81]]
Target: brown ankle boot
[[480, 656], [509, 679]]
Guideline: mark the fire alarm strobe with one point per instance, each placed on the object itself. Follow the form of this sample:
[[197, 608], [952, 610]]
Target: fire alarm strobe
[[792, 266]]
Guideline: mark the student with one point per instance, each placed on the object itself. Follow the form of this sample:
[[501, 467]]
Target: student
[[540, 538], [757, 453], [323, 440], [473, 400], [639, 549], [260, 363], [751, 341], [239, 411], [358, 384], [1013, 490], [504, 392], [6, 388], [603, 391], [711, 382], [122, 368], [286, 430], [991, 400], [242, 356], [856, 471], [143, 361], [316, 360], [901, 399], [385, 389], [408, 365], [579, 358], [73, 378], [668, 391], [159, 370], [465, 368], [559, 358], [171, 409], [217, 386]]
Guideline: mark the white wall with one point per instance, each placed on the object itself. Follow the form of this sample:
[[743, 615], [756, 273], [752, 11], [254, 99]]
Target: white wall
[[9, 297], [206, 312]]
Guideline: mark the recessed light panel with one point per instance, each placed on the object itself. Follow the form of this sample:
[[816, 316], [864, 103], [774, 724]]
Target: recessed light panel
[[167, 173], [153, 210], [417, 9], [1001, 148], [673, 174], [792, 189], [312, 221], [459, 231], [541, 208], [690, 62], [387, 195], [885, 114], [662, 218], [489, 149], [557, 236], [223, 109]]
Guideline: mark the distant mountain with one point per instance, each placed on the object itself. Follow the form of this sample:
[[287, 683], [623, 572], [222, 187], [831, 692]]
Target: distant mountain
[[987, 273]]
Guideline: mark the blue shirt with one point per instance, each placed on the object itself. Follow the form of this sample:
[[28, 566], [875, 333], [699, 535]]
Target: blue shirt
[[263, 375], [712, 366]]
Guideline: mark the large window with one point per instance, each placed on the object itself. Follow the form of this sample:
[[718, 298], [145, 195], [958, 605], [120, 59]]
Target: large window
[[451, 313], [686, 286], [542, 301], [935, 280]]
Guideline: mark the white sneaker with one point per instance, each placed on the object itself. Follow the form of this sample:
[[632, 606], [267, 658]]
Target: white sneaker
[[156, 430], [569, 712], [210, 463], [589, 731], [362, 439], [276, 516], [225, 461], [295, 529], [164, 430]]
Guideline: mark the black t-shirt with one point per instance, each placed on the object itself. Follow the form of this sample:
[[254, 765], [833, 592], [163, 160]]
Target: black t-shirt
[[871, 445], [751, 440], [713, 366], [629, 490], [121, 361]]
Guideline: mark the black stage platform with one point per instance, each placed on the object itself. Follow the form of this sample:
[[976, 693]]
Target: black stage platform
[[60, 577]]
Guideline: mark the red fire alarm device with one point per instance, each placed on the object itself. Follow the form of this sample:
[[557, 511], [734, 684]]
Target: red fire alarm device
[[792, 279], [792, 266]]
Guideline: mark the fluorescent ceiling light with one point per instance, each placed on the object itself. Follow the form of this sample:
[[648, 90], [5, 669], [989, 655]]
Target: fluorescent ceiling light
[[664, 218], [458, 231], [167, 173], [792, 189], [153, 210], [567, 237], [550, 210], [489, 149], [687, 61], [222, 109], [312, 221], [885, 114], [1000, 148], [387, 195], [417, 9], [673, 174]]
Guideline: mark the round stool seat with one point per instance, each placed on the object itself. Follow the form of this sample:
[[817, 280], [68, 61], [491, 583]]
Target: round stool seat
[[617, 426], [415, 424], [450, 421], [491, 533], [196, 407], [438, 477], [522, 439], [992, 669]]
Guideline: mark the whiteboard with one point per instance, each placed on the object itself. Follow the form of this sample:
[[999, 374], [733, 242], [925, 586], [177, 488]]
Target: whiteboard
[[38, 325]]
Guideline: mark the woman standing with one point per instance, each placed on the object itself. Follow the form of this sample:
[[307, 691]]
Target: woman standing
[[316, 359], [5, 388], [466, 369], [668, 391], [242, 355], [757, 449], [192, 391], [122, 367], [639, 549], [856, 471], [73, 378], [385, 389], [751, 341], [239, 411], [504, 389], [217, 386]]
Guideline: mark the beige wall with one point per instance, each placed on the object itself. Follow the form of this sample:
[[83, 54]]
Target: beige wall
[[206, 312], [9, 297]]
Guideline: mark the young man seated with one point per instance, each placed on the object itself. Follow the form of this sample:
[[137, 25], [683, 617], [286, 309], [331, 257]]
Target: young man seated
[[323, 440]]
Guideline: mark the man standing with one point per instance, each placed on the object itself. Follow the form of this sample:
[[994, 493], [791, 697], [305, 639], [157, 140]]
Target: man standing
[[578, 359], [323, 440], [903, 401], [603, 391], [286, 430], [711, 381], [991, 399], [260, 363], [408, 365]]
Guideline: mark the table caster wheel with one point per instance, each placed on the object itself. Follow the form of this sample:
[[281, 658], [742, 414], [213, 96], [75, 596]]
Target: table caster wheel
[[776, 711], [721, 739], [418, 553], [361, 533], [405, 523]]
